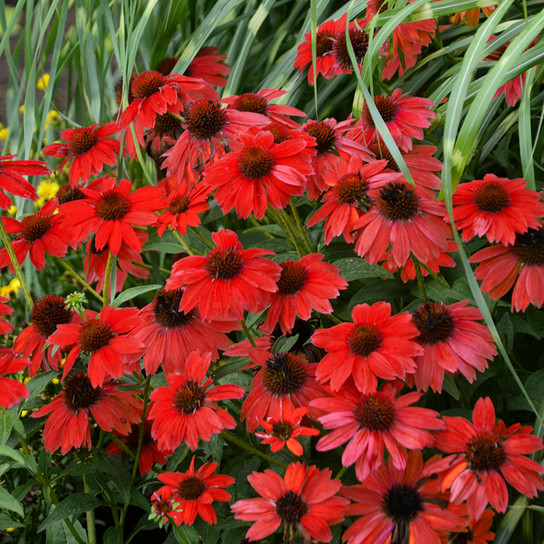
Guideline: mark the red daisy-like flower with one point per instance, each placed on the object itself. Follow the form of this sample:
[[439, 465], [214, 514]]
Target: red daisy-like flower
[[405, 221], [5, 327], [283, 430], [394, 501], [36, 234], [154, 94], [104, 338], [372, 422], [150, 452], [472, 16], [12, 180], [474, 531], [376, 345], [11, 391], [485, 454], [453, 341], [207, 129], [89, 149], [226, 281], [284, 378], [111, 211], [304, 285], [330, 142], [521, 266], [183, 206], [259, 102], [68, 424], [405, 117], [48, 312], [347, 197], [304, 499], [170, 334], [498, 208], [259, 172], [194, 492], [186, 410], [325, 61], [359, 42]]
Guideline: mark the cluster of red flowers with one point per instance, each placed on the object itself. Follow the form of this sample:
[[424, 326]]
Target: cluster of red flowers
[[248, 155]]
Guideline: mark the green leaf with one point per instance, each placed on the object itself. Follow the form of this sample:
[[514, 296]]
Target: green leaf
[[17, 456], [9, 502], [7, 419], [354, 268], [133, 292], [74, 505], [114, 535], [284, 343]]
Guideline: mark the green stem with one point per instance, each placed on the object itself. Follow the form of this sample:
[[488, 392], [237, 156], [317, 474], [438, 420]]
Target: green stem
[[79, 279], [341, 472], [91, 526], [420, 282], [433, 275], [247, 332], [180, 239], [207, 242], [300, 227], [149, 267], [231, 437], [122, 445], [15, 264], [280, 221], [107, 277]]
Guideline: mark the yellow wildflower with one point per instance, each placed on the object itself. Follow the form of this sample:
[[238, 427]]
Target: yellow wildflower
[[13, 286], [43, 82]]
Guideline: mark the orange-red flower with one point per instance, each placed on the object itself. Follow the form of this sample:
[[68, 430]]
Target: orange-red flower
[[11, 391], [5, 327]]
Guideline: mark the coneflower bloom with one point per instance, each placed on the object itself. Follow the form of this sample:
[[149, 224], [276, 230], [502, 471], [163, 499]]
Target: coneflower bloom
[[258, 172], [88, 149], [170, 334], [453, 341], [208, 128], [405, 117], [359, 41], [284, 378], [194, 492], [104, 338], [486, 453], [304, 500], [472, 16], [259, 102], [283, 430], [11, 391], [347, 198], [397, 502], [304, 285], [111, 211], [405, 221], [186, 410], [520, 266], [36, 235], [12, 180], [183, 206], [372, 422], [474, 531], [497, 208], [5, 327], [68, 423], [227, 280], [48, 312], [376, 345]]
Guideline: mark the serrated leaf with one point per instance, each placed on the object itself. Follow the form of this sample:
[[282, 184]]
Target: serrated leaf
[[133, 292], [74, 505]]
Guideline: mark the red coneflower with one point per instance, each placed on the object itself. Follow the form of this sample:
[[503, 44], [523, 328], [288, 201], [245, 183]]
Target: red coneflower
[[37, 234], [304, 285], [521, 265], [405, 117], [284, 378], [11, 391], [400, 502], [359, 42], [170, 335], [186, 410], [104, 338], [226, 281], [68, 425], [485, 454], [283, 430], [258, 172], [48, 312], [111, 211], [376, 345], [453, 341], [89, 149], [5, 327], [497, 208], [194, 492], [472, 16], [372, 422], [404, 220], [304, 499], [12, 181]]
